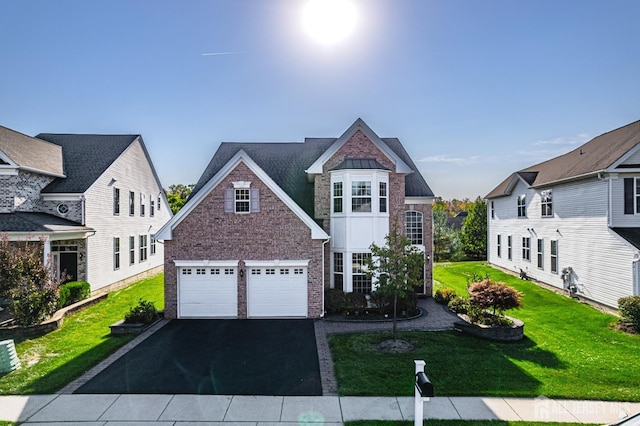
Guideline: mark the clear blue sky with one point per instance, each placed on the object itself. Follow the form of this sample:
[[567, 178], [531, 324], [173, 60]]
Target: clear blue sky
[[474, 89]]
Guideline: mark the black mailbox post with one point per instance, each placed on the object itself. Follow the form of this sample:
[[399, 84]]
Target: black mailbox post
[[424, 385]]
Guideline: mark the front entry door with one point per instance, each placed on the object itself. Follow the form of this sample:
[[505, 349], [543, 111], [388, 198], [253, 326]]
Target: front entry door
[[68, 266]]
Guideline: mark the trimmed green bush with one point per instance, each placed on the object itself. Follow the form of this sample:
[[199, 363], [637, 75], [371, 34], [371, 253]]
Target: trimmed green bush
[[459, 305], [144, 312], [72, 292], [629, 308], [334, 301], [444, 295], [356, 301]]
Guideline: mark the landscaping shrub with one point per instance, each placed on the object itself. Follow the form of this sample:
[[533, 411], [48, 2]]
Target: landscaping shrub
[[444, 295], [493, 295], [334, 301], [459, 305], [144, 312], [629, 308], [33, 304], [384, 303], [72, 292], [355, 301]]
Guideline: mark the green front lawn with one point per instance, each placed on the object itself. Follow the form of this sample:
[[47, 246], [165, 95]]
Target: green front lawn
[[55, 359], [569, 351]]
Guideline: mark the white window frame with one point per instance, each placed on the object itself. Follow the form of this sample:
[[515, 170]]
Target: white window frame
[[414, 228], [546, 203], [143, 239], [116, 253], [553, 253], [509, 247], [526, 249], [383, 196], [337, 197], [116, 201], [132, 203], [499, 245], [358, 261], [132, 250], [522, 205], [540, 253], [360, 193]]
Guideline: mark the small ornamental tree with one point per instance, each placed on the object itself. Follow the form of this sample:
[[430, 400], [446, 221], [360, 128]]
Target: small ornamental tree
[[496, 296], [27, 281], [396, 267]]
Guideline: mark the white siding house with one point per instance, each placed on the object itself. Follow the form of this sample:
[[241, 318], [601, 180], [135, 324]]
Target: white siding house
[[574, 221], [72, 192]]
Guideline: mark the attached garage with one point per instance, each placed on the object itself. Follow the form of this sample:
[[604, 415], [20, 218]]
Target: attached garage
[[277, 289], [207, 289]]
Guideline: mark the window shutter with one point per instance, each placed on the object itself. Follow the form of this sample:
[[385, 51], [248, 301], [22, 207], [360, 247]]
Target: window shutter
[[255, 200], [628, 195], [228, 200]]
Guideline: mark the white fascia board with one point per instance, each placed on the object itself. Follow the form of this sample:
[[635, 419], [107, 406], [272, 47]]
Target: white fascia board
[[165, 233], [207, 263], [42, 172], [51, 235], [359, 124], [7, 170], [624, 158], [276, 262], [418, 200], [61, 196]]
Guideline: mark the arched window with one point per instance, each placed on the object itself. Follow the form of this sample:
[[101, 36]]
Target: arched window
[[413, 226]]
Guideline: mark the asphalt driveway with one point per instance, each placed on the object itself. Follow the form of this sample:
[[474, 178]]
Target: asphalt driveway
[[218, 357]]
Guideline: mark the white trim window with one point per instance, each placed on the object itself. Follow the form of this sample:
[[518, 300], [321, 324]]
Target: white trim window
[[142, 204], [526, 249], [132, 203], [361, 196], [116, 201], [337, 197], [509, 247], [499, 245], [540, 253], [522, 206], [554, 256], [493, 210], [338, 271], [143, 248], [132, 250], [361, 283], [241, 199], [153, 245], [383, 193], [116, 253], [546, 203], [152, 207], [413, 226]]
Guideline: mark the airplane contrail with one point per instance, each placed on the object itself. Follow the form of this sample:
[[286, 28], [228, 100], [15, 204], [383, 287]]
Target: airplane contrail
[[218, 53]]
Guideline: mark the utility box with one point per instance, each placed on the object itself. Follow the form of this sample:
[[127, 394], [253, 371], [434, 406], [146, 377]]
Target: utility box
[[9, 360]]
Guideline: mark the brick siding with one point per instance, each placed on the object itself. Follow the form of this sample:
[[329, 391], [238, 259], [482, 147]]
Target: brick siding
[[275, 232]]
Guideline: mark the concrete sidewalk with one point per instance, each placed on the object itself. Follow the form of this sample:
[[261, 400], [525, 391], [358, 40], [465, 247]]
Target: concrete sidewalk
[[191, 410]]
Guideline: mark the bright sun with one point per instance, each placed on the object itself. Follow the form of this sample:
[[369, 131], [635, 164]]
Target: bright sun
[[329, 21]]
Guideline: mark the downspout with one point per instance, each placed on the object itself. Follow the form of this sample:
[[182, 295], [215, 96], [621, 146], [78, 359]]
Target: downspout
[[323, 275], [82, 206]]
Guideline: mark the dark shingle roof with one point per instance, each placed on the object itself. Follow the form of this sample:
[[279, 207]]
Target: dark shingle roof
[[86, 157], [37, 222], [632, 235], [286, 164], [596, 155], [415, 185]]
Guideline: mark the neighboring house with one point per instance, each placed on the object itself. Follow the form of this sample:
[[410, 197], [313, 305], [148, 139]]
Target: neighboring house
[[95, 201], [456, 221], [269, 226], [574, 221]]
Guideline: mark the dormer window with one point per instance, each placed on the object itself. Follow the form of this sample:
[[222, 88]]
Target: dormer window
[[522, 206]]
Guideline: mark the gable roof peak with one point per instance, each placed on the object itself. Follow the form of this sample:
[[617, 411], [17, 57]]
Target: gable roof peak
[[359, 125]]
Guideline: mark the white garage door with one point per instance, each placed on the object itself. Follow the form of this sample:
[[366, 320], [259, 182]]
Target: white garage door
[[207, 292], [277, 291]]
